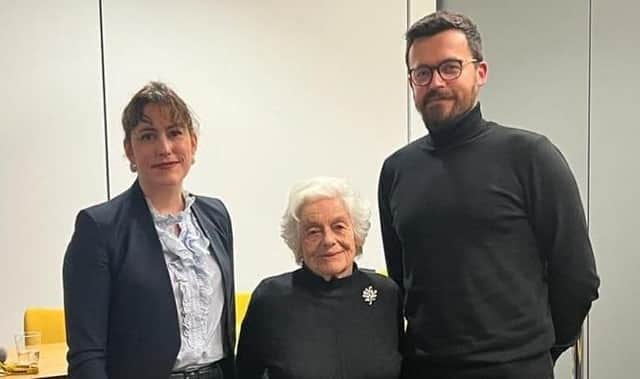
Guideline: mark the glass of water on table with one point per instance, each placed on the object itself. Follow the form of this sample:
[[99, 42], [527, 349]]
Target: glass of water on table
[[28, 348]]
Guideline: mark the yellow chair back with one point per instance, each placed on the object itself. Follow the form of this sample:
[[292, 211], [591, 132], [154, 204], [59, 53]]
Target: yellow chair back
[[242, 302], [48, 321]]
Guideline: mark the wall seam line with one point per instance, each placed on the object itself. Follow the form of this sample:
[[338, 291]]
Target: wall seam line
[[104, 104]]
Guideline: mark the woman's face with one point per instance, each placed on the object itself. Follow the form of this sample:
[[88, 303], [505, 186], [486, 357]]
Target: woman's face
[[328, 240], [161, 149]]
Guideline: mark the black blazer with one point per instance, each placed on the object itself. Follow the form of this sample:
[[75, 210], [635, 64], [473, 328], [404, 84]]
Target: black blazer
[[120, 310]]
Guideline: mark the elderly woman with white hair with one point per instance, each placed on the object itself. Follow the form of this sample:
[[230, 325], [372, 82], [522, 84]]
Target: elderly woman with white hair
[[328, 319]]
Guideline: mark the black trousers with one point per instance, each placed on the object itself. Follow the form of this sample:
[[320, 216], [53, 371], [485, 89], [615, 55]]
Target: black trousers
[[536, 367]]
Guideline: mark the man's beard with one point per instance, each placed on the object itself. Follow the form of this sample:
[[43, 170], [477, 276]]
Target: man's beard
[[437, 117]]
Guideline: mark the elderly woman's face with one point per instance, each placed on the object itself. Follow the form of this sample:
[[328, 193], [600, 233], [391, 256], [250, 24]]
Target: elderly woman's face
[[160, 148], [328, 241]]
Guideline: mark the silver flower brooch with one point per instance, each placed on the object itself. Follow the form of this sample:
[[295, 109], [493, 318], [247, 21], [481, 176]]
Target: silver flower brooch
[[369, 295]]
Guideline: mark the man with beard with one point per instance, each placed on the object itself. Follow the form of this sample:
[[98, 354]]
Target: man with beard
[[482, 224]]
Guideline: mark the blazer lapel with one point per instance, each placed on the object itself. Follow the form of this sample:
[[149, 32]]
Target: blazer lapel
[[149, 254]]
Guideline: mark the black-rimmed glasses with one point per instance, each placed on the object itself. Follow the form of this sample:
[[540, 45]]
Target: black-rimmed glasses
[[448, 70]]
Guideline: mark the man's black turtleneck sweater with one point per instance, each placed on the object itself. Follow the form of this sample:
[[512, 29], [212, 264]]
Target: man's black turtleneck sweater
[[485, 233]]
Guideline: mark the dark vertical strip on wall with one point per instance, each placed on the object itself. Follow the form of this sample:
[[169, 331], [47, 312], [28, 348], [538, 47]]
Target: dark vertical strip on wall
[[589, 36], [408, 89], [590, 31], [581, 359], [104, 103]]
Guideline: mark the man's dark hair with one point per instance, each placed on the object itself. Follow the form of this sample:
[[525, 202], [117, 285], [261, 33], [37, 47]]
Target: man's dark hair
[[440, 21]]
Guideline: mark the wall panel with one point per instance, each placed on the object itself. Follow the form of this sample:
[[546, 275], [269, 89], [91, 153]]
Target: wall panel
[[615, 185], [52, 144]]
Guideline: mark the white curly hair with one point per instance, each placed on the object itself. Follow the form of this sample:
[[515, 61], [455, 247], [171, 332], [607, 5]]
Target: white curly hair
[[323, 187]]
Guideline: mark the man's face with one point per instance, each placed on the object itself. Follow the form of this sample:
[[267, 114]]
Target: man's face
[[442, 102]]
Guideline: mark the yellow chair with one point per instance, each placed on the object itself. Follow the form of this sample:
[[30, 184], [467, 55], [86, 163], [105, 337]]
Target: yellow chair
[[48, 321], [242, 302]]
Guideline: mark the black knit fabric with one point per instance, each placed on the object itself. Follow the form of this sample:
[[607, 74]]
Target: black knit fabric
[[484, 231], [299, 326]]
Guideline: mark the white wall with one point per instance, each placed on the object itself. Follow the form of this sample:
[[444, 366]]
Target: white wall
[[53, 160], [283, 90], [615, 185]]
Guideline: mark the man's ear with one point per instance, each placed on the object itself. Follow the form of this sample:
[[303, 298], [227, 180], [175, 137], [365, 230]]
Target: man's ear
[[483, 73]]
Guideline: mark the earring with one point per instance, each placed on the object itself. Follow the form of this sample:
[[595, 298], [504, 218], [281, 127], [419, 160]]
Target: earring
[[133, 167], [193, 160]]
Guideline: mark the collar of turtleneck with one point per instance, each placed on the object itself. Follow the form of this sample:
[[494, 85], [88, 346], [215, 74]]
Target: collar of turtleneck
[[459, 132], [312, 280]]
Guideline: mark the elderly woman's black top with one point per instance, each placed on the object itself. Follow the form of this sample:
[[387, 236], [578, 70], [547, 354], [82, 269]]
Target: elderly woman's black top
[[299, 326]]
